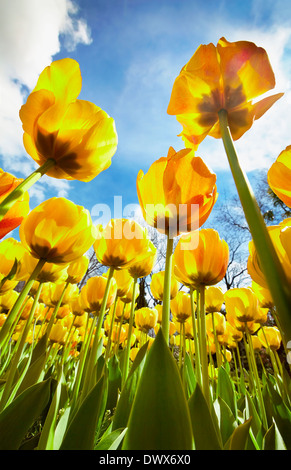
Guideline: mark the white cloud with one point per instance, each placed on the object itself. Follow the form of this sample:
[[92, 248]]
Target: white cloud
[[31, 33]]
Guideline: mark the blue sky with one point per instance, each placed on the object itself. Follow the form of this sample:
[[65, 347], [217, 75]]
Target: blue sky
[[130, 52]]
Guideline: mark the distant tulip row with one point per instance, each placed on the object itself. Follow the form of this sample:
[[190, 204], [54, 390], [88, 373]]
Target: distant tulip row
[[86, 368]]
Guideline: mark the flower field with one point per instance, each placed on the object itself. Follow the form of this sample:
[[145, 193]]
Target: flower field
[[82, 367]]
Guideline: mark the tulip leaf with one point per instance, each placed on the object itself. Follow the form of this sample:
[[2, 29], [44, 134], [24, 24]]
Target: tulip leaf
[[226, 421], [46, 440], [81, 431], [127, 395], [33, 373], [204, 431], [239, 437], [273, 439], [225, 390], [281, 415], [16, 418], [114, 382], [112, 440], [159, 418], [190, 375]]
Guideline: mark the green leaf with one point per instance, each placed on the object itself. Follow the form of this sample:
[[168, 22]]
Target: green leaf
[[160, 418], [281, 415], [225, 390], [226, 421], [16, 419], [46, 440], [204, 430], [128, 392], [81, 432], [112, 441], [33, 373], [273, 439], [114, 382], [239, 437], [190, 375]]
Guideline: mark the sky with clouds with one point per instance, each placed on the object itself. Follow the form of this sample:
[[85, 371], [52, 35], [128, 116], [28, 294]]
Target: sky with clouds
[[130, 52]]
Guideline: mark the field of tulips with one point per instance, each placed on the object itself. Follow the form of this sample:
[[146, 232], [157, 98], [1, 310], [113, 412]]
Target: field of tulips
[[84, 368]]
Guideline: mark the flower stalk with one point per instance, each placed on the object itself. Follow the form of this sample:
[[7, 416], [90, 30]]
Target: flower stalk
[[24, 186], [167, 289], [271, 266]]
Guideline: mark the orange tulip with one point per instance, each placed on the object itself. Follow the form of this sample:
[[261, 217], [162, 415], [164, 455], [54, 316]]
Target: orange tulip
[[279, 176], [95, 292], [181, 307], [203, 265], [20, 208], [178, 192], [79, 137], [242, 304], [227, 76]]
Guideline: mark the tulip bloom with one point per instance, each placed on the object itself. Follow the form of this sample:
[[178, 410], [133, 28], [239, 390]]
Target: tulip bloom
[[281, 238], [11, 253], [144, 266], [206, 263], [95, 292], [57, 231], [157, 286], [177, 193], [242, 304], [213, 299], [20, 208], [228, 76], [77, 136], [146, 318], [77, 269], [121, 243], [270, 337], [279, 176], [181, 307]]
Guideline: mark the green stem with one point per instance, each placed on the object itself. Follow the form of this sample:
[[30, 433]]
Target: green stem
[[56, 309], [109, 341], [167, 289], [196, 343], [6, 328], [19, 349], [24, 186], [128, 342], [89, 373], [203, 345], [253, 365], [270, 263]]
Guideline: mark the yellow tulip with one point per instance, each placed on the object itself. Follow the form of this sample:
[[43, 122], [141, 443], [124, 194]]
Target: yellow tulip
[[257, 344], [146, 318], [95, 290], [79, 137], [123, 280], [144, 266], [219, 323], [157, 285], [181, 307], [203, 265], [8, 299], [77, 269], [11, 253], [120, 243], [279, 176], [57, 231], [227, 76], [242, 304], [58, 333], [213, 299], [50, 272], [178, 192], [270, 337], [281, 238]]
